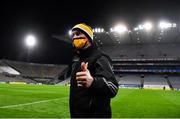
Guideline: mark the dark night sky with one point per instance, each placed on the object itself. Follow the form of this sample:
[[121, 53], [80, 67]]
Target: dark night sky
[[47, 18]]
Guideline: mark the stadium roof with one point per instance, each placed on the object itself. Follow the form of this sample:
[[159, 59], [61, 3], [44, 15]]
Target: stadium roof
[[169, 33]]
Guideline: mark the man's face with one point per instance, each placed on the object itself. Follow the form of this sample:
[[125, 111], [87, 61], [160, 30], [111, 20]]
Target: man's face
[[79, 40]]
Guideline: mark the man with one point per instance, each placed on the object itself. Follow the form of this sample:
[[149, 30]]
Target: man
[[93, 83]]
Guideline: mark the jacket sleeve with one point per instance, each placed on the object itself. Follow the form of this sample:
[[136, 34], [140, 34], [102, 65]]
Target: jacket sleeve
[[105, 83]]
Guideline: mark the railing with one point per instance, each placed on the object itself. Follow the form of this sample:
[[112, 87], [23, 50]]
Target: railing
[[145, 59], [147, 71]]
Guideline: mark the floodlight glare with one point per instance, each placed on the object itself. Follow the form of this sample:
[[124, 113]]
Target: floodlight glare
[[30, 41], [102, 30], [147, 26], [70, 32], [136, 29], [98, 30], [140, 27], [164, 25], [120, 28], [111, 29], [174, 25]]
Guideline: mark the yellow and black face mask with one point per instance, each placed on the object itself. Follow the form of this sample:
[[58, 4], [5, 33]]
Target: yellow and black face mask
[[79, 43]]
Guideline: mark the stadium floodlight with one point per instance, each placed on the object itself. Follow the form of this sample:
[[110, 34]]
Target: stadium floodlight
[[136, 29], [140, 27], [119, 29], [30, 41], [174, 25], [147, 26], [98, 30], [102, 30], [95, 30], [164, 25]]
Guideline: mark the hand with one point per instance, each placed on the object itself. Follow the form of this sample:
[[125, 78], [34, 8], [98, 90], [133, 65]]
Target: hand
[[84, 77]]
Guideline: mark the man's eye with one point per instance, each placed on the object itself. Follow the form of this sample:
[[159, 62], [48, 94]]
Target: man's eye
[[77, 33]]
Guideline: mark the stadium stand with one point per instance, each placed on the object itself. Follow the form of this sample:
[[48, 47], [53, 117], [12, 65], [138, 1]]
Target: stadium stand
[[5, 78], [153, 60], [64, 82], [130, 80], [5, 68], [31, 73], [36, 70], [155, 81], [175, 81], [144, 51]]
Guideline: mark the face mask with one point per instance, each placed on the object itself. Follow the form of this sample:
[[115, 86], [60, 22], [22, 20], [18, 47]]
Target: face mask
[[79, 43]]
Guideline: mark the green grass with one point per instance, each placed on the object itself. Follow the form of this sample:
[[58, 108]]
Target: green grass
[[128, 103], [138, 103]]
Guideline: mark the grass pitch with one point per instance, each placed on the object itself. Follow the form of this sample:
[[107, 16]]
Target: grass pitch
[[39, 101]]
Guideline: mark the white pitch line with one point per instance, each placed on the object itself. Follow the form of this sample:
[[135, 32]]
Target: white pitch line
[[11, 106]]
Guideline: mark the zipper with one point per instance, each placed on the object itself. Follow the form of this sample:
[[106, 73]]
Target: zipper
[[90, 103]]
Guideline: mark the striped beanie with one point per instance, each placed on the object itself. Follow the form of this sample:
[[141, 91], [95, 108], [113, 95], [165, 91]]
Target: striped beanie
[[85, 29]]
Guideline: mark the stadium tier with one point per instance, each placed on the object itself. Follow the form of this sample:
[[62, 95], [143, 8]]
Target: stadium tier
[[175, 81], [155, 81], [5, 78], [64, 82], [144, 51], [129, 80], [147, 73], [36, 70], [13, 71], [7, 69], [144, 59]]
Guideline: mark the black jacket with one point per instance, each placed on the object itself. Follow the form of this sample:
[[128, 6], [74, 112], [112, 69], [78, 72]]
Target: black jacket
[[94, 101]]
